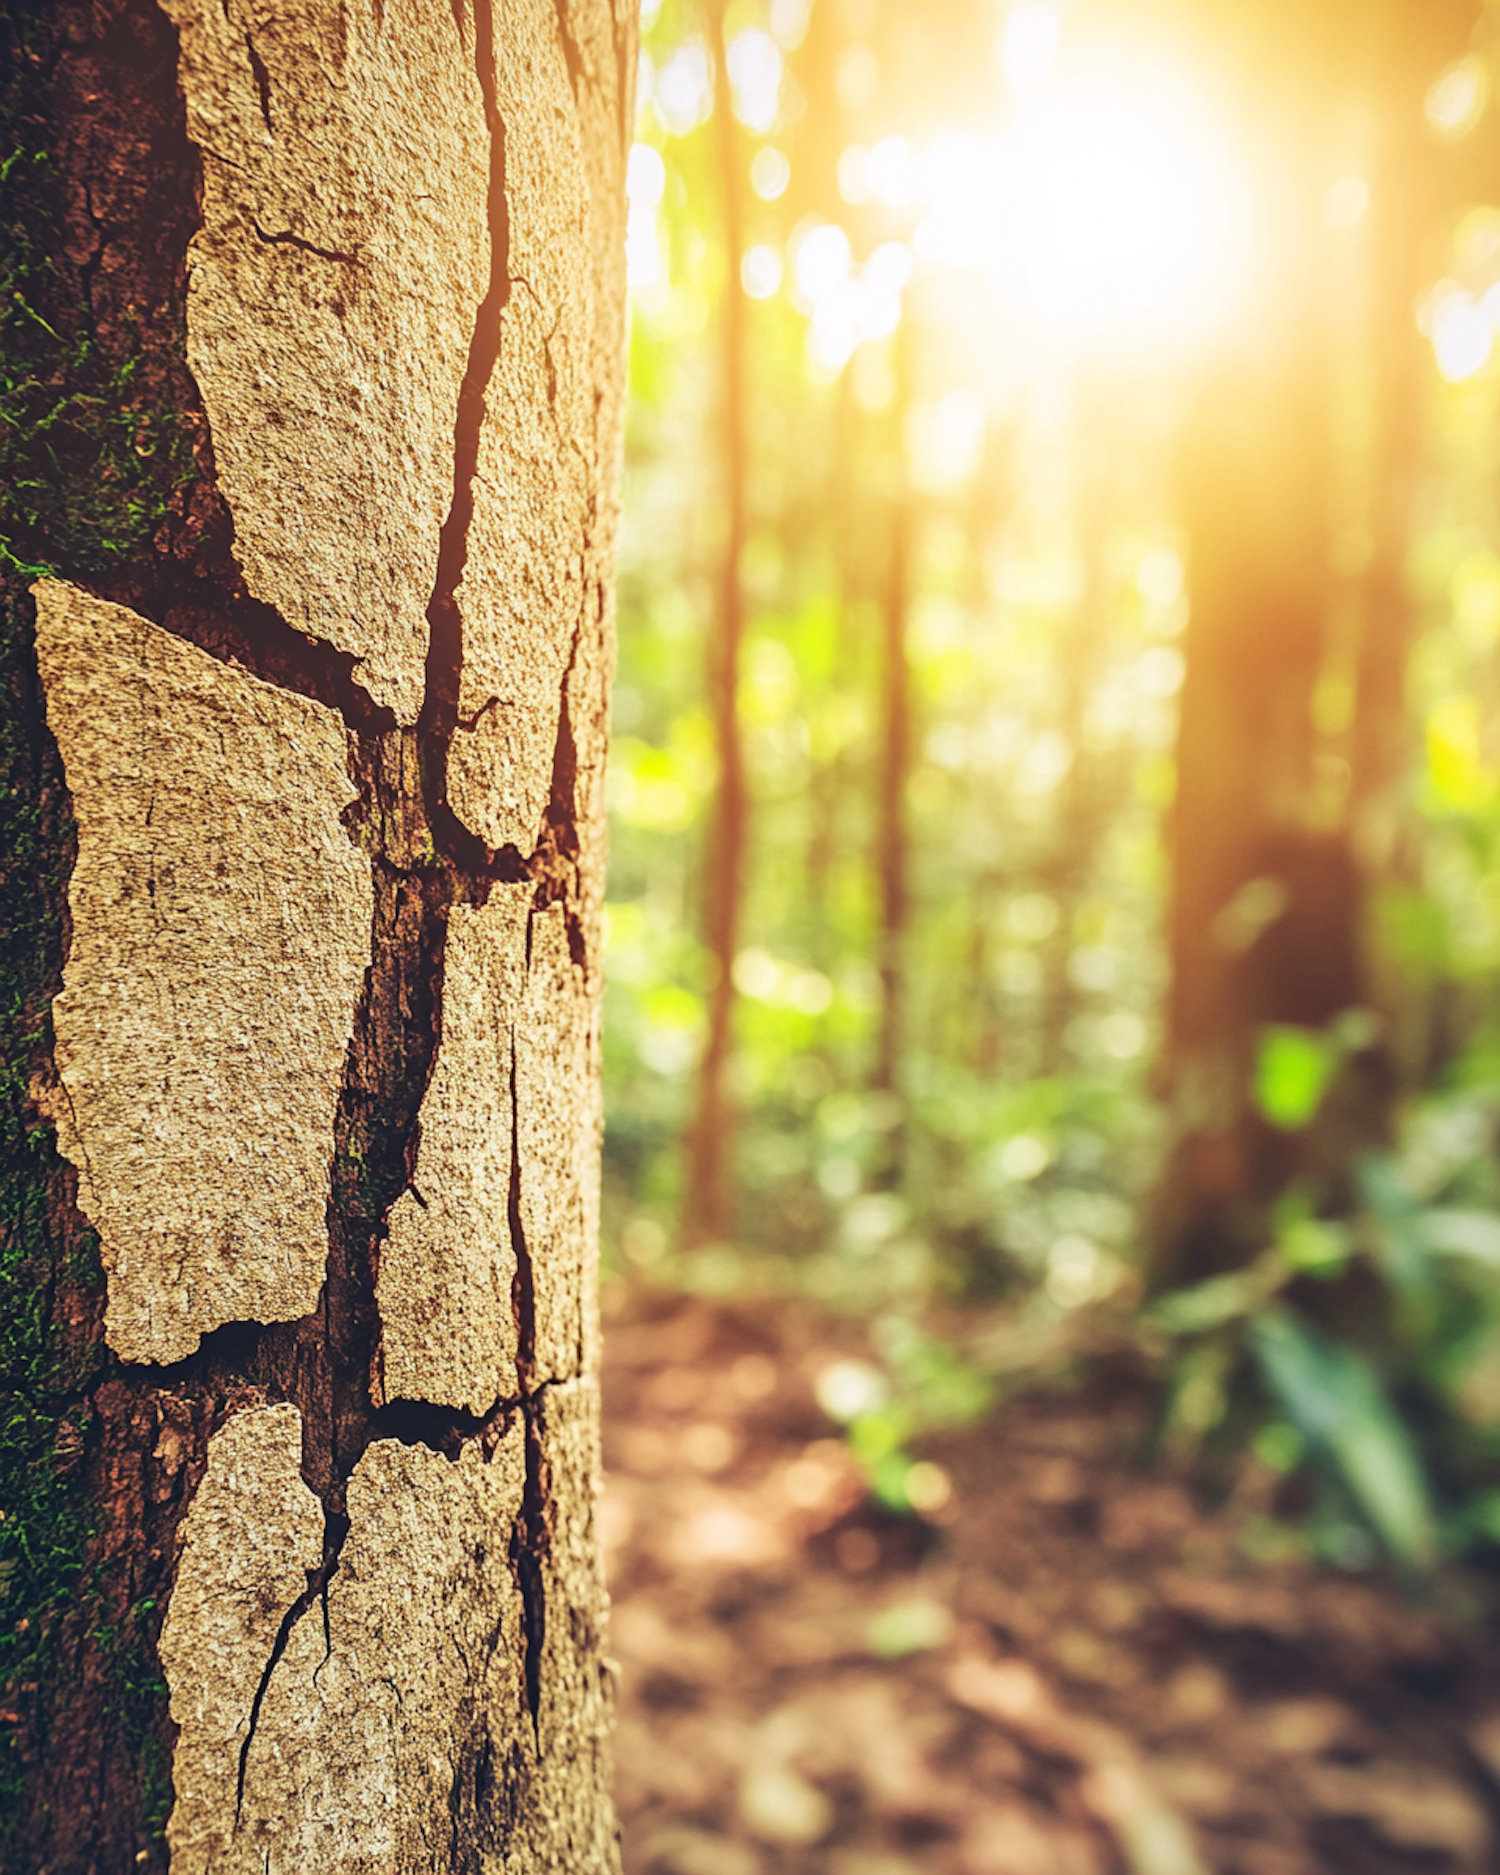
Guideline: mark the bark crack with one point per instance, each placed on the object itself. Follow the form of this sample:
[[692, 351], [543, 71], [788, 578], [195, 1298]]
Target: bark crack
[[523, 1287], [284, 237], [445, 650], [262, 77], [335, 1529], [531, 1539]]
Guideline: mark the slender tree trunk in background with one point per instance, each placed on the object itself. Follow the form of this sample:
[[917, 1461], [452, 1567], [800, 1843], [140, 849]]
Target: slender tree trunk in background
[[826, 791], [709, 1209], [1078, 822], [1249, 869], [1416, 185], [891, 860], [1246, 866], [1268, 894], [313, 326]]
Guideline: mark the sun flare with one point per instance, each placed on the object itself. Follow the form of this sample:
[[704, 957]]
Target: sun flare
[[1109, 212]]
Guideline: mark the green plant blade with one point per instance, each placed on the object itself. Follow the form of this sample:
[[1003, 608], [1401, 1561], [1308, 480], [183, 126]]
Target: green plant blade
[[1336, 1401]]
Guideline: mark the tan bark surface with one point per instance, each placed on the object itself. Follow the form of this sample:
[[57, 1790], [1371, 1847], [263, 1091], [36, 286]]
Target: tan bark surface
[[221, 928], [448, 1268], [332, 290], [326, 1065], [345, 1758], [559, 1126], [371, 1739], [536, 459]]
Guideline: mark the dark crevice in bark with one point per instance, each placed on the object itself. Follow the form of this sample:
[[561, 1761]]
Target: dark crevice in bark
[[531, 1547], [335, 1529], [445, 652], [554, 861], [284, 237], [523, 1284], [531, 1539], [445, 1430], [262, 78], [245, 631]]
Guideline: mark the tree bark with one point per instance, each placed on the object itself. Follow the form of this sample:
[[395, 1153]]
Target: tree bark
[[313, 325], [708, 1212]]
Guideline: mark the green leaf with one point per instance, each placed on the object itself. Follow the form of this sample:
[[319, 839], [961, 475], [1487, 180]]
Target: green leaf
[[1337, 1402], [909, 1628], [1412, 1235], [1292, 1070], [1221, 1299], [1315, 1246], [1472, 1234], [1280, 1446], [1208, 1305], [1403, 1246]]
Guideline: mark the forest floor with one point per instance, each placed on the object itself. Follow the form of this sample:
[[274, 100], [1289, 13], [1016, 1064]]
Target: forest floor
[[1074, 1671]]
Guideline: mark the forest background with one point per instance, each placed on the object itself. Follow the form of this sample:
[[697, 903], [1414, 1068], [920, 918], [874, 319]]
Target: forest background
[[1055, 876]]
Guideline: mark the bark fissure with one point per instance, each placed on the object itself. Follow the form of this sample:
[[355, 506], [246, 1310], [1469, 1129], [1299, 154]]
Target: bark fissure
[[240, 630], [445, 652], [531, 1547], [286, 237], [335, 1529], [532, 1537], [523, 1289], [262, 78]]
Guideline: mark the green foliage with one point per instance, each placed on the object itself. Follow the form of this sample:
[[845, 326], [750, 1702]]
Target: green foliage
[[1339, 1405], [1419, 1400], [1293, 1068]]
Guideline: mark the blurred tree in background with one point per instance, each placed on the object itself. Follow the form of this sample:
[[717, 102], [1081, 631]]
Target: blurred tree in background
[[1055, 893]]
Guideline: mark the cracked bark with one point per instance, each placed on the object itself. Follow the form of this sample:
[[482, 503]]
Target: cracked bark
[[448, 1710]]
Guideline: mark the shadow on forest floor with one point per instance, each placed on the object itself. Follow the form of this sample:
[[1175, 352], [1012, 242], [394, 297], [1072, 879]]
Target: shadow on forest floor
[[1075, 1673]]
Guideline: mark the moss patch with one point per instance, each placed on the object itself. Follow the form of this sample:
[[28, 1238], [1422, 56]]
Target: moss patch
[[42, 1421], [91, 456]]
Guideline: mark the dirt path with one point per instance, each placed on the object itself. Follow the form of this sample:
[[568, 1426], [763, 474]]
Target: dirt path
[[1073, 1672]]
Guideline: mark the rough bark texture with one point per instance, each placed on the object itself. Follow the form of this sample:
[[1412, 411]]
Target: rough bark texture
[[312, 326]]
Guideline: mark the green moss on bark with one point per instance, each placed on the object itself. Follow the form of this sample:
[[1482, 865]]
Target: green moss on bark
[[88, 468], [46, 1524], [99, 423], [94, 459]]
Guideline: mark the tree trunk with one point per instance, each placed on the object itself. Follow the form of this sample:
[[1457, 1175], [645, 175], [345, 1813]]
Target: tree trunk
[[1084, 796], [313, 322], [892, 857], [709, 1208], [1268, 861]]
